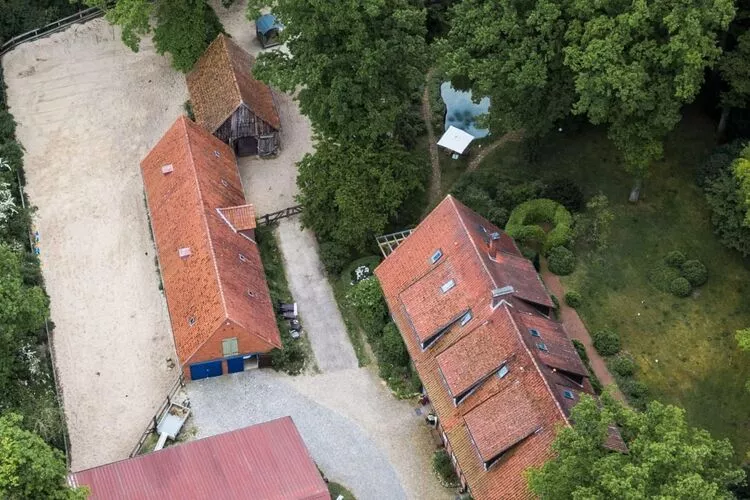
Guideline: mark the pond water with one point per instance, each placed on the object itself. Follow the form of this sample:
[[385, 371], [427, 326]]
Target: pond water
[[462, 111]]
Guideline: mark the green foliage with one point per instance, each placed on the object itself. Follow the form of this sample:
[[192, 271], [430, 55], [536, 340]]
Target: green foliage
[[606, 341], [184, 28], [720, 160], [741, 169], [494, 196], [511, 51], [390, 347], [366, 298], [581, 350], [334, 256], [7, 126], [132, 16], [680, 287], [565, 192], [675, 258], [29, 468], [594, 226], [188, 108], [443, 467], [523, 223], [360, 66], [662, 276], [728, 212], [561, 261], [622, 365], [637, 64], [573, 299], [666, 458], [636, 390], [735, 70], [695, 272], [292, 357], [20, 16], [352, 192]]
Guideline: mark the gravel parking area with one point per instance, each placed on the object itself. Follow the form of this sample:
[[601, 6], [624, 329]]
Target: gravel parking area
[[358, 434]]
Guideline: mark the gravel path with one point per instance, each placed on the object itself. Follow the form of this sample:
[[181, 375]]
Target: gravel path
[[320, 314], [358, 434]]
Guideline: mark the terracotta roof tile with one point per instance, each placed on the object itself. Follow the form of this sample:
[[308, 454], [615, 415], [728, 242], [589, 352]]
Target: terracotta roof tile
[[221, 81], [240, 218], [208, 289], [560, 353]]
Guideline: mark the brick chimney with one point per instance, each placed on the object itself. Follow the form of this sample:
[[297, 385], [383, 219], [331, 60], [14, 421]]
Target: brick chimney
[[492, 245]]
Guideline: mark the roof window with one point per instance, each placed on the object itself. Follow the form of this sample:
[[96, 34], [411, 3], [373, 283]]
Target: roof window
[[503, 371], [436, 256], [466, 318], [533, 332], [506, 290], [250, 293], [447, 285], [482, 228], [184, 252], [166, 169], [242, 258], [224, 183], [191, 320], [568, 394], [542, 347], [216, 153]]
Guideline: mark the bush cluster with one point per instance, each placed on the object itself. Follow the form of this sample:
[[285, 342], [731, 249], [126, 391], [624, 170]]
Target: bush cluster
[[678, 275], [680, 287], [366, 298], [622, 365], [695, 272], [523, 223], [443, 467], [573, 299], [561, 261], [606, 342]]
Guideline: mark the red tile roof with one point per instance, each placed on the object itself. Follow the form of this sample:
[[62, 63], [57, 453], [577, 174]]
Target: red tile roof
[[220, 286], [511, 419], [241, 218], [265, 461], [221, 81]]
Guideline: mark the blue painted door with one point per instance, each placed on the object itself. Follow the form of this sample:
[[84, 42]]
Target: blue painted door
[[235, 365], [205, 370]]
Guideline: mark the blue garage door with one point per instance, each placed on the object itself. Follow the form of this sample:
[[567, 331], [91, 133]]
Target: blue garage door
[[205, 370], [235, 365]]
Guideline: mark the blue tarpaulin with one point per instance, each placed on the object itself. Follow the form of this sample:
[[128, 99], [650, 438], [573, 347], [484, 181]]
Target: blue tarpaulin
[[266, 23]]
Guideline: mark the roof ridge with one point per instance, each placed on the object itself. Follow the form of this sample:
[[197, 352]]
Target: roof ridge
[[233, 69], [191, 159], [473, 244], [536, 365]]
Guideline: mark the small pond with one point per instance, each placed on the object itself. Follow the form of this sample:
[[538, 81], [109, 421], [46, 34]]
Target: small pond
[[461, 111]]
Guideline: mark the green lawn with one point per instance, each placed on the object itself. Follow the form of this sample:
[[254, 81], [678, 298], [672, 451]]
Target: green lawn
[[684, 348]]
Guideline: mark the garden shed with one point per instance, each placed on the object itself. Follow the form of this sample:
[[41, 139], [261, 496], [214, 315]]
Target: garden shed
[[268, 30], [455, 140], [230, 103]]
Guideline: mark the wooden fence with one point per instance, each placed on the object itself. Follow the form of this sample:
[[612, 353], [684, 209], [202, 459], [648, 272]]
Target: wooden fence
[[59, 25], [154, 422], [267, 219]]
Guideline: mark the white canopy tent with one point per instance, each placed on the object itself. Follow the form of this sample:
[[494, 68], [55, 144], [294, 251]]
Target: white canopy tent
[[456, 140]]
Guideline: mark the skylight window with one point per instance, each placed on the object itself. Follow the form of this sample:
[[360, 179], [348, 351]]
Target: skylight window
[[568, 394], [436, 256], [447, 285], [216, 153], [466, 318], [542, 346], [503, 371], [533, 332], [242, 258], [191, 320]]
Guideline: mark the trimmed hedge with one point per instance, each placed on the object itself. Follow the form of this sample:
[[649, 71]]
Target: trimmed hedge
[[675, 258], [573, 299], [606, 342], [523, 223], [680, 287], [695, 272], [561, 261]]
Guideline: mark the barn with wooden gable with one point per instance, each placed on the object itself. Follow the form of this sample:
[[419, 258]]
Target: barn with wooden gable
[[219, 304], [230, 103]]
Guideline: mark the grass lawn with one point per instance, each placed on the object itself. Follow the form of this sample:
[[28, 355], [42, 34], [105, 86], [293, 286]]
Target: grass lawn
[[684, 348], [336, 489]]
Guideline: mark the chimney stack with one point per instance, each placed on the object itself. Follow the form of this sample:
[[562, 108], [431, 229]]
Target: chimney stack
[[494, 237]]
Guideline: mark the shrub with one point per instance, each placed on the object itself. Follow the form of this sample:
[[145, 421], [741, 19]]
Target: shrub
[[7, 126], [188, 108], [728, 212], [675, 258], [443, 467], [573, 299], [565, 192], [680, 287], [606, 342], [634, 388], [581, 350], [291, 359], [523, 223], [334, 256], [662, 277], [622, 365], [391, 348], [595, 224], [720, 160], [561, 261], [695, 272], [366, 298]]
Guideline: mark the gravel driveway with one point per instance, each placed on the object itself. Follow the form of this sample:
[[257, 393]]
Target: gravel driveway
[[357, 433]]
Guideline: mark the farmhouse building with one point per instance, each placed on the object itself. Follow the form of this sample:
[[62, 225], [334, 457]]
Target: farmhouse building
[[267, 461], [218, 299], [230, 103], [500, 374]]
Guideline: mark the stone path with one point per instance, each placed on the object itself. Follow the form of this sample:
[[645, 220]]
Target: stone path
[[578, 331], [318, 310]]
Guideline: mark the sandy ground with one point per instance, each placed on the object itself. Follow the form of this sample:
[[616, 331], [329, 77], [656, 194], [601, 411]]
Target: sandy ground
[[88, 110]]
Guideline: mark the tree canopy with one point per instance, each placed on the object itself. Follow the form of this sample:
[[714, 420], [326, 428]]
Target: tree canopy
[[351, 192], [666, 458], [29, 468], [359, 65], [184, 28]]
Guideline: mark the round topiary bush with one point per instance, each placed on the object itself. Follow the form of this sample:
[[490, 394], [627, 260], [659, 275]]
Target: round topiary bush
[[606, 342], [680, 287], [675, 258], [623, 365], [561, 261], [695, 272], [523, 223], [573, 299]]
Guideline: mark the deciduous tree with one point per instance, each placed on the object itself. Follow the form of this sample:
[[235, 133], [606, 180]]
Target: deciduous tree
[[359, 65], [666, 458]]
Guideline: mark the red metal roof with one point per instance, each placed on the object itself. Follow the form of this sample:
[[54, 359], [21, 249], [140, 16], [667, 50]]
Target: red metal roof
[[263, 462]]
